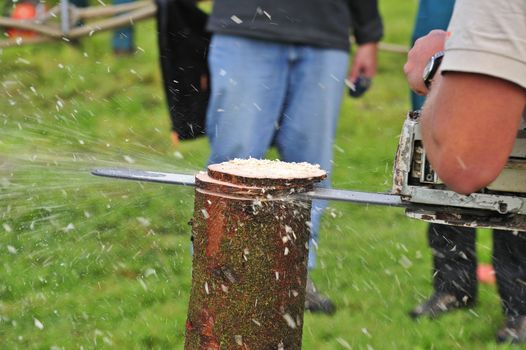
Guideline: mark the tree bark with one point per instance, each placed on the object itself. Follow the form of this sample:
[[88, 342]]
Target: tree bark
[[250, 244]]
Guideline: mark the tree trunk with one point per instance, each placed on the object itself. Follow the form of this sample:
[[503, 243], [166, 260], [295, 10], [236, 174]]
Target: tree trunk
[[250, 243]]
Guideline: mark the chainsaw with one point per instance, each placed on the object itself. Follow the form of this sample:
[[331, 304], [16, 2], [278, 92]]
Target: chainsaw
[[416, 187]]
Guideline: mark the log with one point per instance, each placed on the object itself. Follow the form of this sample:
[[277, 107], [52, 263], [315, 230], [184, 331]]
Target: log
[[250, 242]]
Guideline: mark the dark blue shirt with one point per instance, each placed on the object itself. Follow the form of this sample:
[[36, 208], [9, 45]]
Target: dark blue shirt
[[323, 23]]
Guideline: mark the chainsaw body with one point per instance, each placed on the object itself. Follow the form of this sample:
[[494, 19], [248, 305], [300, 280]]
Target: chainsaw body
[[502, 204]]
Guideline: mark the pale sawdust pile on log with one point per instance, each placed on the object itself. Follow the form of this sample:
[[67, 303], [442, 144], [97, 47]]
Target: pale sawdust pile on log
[[269, 169]]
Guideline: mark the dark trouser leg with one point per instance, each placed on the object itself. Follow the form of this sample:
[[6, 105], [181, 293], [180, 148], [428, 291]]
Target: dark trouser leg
[[123, 41], [509, 262], [454, 260]]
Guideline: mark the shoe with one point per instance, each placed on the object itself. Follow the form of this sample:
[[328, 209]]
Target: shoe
[[513, 331], [439, 303], [316, 302]]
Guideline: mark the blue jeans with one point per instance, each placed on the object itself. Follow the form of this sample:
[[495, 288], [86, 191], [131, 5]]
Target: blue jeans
[[266, 93]]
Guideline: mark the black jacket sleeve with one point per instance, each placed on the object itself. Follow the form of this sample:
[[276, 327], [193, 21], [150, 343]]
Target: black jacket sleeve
[[183, 47], [366, 21]]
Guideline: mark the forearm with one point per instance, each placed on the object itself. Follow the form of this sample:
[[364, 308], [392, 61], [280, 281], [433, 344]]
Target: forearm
[[469, 125], [445, 161]]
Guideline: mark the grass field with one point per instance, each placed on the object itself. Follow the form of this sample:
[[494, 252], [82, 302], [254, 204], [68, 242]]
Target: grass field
[[90, 263]]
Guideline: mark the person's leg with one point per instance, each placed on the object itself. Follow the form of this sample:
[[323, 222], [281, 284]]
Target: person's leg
[[123, 41], [454, 270], [509, 261], [454, 277], [432, 14], [248, 81], [454, 261], [308, 124], [307, 127]]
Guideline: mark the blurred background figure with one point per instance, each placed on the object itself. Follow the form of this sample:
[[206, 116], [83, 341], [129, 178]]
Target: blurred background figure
[[183, 52], [453, 248], [277, 72], [23, 10], [123, 38], [455, 271]]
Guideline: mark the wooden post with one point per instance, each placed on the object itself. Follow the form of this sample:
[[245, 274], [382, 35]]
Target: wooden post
[[250, 241]]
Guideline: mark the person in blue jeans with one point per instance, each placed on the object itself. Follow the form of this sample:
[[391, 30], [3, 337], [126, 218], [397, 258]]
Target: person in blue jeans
[[277, 71]]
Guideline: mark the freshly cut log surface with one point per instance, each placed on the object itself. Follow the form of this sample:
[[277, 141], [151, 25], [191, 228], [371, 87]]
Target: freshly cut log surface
[[266, 172]]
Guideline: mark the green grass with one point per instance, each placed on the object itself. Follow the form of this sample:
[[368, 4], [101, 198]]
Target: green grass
[[97, 264]]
